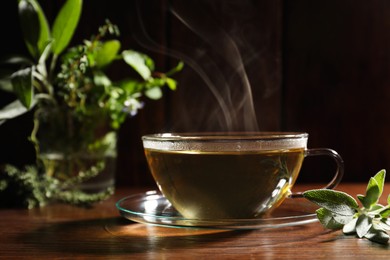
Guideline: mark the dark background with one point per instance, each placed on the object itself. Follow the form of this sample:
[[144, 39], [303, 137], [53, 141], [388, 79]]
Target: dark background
[[320, 67]]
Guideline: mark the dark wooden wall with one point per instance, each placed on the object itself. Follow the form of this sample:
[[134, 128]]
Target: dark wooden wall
[[314, 66]]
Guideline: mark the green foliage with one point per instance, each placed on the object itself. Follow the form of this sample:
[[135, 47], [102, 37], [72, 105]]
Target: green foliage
[[34, 26], [75, 78], [340, 210], [30, 188], [65, 24], [75, 81]]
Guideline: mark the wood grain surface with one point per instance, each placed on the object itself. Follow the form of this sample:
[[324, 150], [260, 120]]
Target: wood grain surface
[[66, 232]]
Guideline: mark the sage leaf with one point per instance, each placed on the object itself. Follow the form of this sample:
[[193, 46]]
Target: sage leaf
[[65, 24], [372, 194], [385, 213], [361, 198], [350, 227], [326, 218], [342, 219], [363, 224], [374, 190], [138, 62], [35, 28], [334, 201], [107, 53], [23, 86], [380, 179], [378, 236], [382, 224]]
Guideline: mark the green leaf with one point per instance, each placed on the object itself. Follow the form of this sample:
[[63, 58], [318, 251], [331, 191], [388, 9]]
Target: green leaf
[[385, 213], [374, 190], [6, 85], [350, 227], [34, 25], [372, 194], [131, 86], [18, 60], [100, 79], [65, 24], [149, 62], [41, 67], [154, 93], [176, 69], [334, 201], [383, 224], [5, 80], [380, 179], [107, 53], [361, 198], [12, 110], [363, 224], [326, 218], [171, 83], [378, 236], [139, 62], [23, 86]]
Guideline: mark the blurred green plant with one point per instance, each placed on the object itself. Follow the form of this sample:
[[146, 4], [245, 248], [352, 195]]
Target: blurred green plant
[[74, 79]]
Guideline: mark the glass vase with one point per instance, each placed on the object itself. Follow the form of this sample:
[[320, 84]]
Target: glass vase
[[77, 149]]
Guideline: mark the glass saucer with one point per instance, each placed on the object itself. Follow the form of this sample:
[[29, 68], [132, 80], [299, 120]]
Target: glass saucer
[[153, 208]]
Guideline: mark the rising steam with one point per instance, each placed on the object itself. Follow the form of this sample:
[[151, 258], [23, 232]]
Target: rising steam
[[217, 58]]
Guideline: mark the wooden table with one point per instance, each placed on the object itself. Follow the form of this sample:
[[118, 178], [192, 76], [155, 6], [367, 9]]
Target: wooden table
[[67, 232]]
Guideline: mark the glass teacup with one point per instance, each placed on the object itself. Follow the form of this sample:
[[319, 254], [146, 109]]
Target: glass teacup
[[229, 175]]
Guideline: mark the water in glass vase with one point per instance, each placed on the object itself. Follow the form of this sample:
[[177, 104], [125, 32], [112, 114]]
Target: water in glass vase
[[70, 168]]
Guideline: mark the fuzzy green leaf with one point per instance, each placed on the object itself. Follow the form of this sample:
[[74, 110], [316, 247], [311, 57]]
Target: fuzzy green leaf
[[378, 236], [383, 224], [361, 198], [34, 25], [65, 24], [107, 53], [326, 218], [380, 179], [350, 227], [372, 194], [23, 86], [334, 201], [363, 224], [385, 213], [139, 62]]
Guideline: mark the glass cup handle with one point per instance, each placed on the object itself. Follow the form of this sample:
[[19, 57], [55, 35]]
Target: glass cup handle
[[339, 172]]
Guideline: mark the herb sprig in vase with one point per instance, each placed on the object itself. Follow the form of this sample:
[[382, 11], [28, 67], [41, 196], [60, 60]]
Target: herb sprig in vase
[[77, 107]]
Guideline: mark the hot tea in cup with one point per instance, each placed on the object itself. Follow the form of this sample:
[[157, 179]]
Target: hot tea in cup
[[232, 175]]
